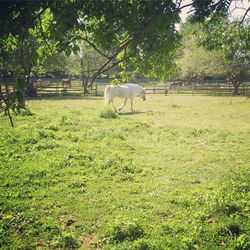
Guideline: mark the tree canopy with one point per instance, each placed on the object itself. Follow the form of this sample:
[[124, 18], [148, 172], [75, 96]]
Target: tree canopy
[[138, 32]]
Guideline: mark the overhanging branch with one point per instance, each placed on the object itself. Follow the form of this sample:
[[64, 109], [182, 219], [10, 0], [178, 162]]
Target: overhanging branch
[[136, 36], [94, 47], [245, 15]]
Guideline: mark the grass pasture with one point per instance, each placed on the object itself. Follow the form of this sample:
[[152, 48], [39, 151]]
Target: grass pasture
[[173, 175]]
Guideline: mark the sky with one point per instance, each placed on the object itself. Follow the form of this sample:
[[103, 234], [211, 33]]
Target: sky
[[237, 10]]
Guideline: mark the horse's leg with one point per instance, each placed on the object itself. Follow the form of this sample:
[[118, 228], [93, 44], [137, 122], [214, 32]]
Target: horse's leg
[[124, 103], [111, 101], [114, 107], [131, 101]]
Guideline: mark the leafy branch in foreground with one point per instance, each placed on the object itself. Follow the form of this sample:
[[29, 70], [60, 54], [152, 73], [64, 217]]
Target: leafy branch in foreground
[[13, 100], [7, 102]]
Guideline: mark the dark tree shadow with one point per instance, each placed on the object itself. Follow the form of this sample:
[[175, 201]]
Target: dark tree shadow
[[64, 97]]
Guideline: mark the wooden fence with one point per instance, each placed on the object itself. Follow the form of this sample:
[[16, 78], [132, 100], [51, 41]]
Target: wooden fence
[[56, 88], [150, 89], [211, 89], [157, 89], [5, 90]]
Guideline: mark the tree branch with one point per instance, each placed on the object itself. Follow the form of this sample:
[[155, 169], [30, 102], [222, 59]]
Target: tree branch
[[242, 20], [102, 69], [138, 34], [114, 64], [94, 47], [185, 6], [7, 103]]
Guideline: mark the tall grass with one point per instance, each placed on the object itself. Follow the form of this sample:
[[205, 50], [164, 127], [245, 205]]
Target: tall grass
[[108, 113]]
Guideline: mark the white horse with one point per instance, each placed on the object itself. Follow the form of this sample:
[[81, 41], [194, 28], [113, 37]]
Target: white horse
[[126, 91]]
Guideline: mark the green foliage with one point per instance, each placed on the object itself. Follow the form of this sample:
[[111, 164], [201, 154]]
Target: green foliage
[[232, 41], [108, 113], [138, 36], [26, 112], [115, 82], [194, 61], [68, 241], [10, 103], [124, 231], [216, 48], [9, 43]]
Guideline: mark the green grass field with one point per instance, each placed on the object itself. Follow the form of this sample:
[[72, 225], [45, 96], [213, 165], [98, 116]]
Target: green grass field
[[173, 175]]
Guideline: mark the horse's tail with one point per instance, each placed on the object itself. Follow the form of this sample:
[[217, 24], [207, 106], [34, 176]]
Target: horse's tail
[[107, 94]]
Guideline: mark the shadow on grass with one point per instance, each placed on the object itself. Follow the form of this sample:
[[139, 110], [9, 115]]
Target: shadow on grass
[[131, 113], [64, 97]]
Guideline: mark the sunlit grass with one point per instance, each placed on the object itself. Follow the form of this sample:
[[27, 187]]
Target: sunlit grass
[[172, 175]]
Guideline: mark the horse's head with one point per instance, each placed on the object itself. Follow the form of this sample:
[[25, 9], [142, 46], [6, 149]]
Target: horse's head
[[143, 95]]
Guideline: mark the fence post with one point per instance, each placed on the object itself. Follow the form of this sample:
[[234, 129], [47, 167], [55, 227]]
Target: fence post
[[244, 89], [166, 91], [219, 89], [154, 89]]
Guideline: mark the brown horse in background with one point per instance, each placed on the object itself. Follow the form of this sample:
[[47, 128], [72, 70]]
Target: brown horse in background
[[66, 82]]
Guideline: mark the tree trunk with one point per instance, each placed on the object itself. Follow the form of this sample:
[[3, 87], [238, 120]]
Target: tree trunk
[[20, 92], [85, 85], [84, 79], [21, 99], [236, 85]]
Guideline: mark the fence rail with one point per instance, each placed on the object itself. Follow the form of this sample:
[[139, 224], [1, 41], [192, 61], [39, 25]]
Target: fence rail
[[5, 90], [56, 88], [221, 89]]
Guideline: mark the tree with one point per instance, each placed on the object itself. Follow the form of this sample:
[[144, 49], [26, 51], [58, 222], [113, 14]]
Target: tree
[[232, 42], [123, 31], [58, 63], [139, 32], [194, 61], [21, 49]]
